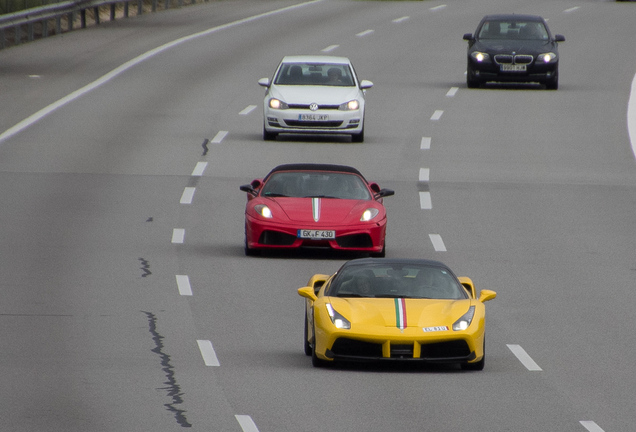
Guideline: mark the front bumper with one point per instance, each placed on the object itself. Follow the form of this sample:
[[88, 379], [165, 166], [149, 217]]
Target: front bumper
[[362, 237], [487, 72], [290, 121]]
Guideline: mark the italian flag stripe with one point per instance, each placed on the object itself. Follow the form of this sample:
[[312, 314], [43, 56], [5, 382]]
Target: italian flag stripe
[[400, 313]]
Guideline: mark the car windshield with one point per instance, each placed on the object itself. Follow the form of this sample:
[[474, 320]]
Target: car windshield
[[316, 185], [523, 30], [322, 74], [397, 281]]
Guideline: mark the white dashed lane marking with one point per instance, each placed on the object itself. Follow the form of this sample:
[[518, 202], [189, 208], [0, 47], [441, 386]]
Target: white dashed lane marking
[[199, 169], [452, 92], [425, 144], [425, 201], [246, 422], [178, 235], [208, 354], [183, 283], [437, 115], [424, 174], [219, 137], [524, 358], [330, 48], [187, 196], [364, 33], [248, 110], [591, 426], [401, 19], [438, 243]]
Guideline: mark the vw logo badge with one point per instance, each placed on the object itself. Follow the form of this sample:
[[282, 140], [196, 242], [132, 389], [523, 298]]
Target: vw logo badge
[[313, 106]]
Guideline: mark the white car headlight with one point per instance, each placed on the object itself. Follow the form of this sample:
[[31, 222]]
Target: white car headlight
[[338, 320], [352, 105], [480, 56], [263, 210], [464, 322], [547, 57], [369, 214], [277, 104]]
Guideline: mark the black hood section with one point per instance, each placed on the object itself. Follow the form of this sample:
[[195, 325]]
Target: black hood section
[[499, 46]]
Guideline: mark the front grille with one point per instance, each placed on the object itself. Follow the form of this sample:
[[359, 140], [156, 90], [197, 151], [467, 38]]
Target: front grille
[[355, 241], [517, 59], [320, 107], [401, 351], [276, 238], [445, 349], [356, 348], [314, 124]]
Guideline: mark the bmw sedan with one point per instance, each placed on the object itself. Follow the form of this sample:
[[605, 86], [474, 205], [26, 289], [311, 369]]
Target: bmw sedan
[[314, 95], [513, 48]]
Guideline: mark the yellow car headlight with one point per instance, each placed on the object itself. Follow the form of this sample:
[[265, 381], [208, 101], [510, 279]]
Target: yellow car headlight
[[338, 320], [464, 322]]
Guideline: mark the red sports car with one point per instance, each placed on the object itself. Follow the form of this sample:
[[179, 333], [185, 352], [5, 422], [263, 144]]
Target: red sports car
[[315, 205]]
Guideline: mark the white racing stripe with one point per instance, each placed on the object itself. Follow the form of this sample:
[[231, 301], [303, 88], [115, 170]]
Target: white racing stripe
[[183, 283], [438, 243], [129, 64], [591, 426], [187, 196], [524, 358], [246, 423], [208, 354]]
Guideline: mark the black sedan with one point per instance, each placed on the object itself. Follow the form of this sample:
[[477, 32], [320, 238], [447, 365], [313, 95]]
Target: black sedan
[[513, 48]]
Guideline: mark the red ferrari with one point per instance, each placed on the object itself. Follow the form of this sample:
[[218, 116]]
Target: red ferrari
[[315, 205]]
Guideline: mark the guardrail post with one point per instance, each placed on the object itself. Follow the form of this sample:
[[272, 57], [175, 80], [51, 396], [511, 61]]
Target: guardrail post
[[112, 11], [140, 7], [126, 9], [3, 40], [96, 10], [166, 4], [154, 5], [58, 25], [45, 28], [30, 32], [70, 21], [83, 18]]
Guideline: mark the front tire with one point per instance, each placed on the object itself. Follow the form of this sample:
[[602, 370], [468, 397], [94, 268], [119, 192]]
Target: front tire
[[554, 83], [269, 136], [358, 138], [308, 348], [250, 251]]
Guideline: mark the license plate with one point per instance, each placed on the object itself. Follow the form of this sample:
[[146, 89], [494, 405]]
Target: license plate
[[313, 117], [513, 68], [435, 329], [316, 234]]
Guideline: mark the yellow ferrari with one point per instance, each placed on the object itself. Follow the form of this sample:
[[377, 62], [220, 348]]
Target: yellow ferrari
[[395, 309]]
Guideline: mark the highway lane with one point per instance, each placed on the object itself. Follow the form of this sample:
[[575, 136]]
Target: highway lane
[[544, 221]]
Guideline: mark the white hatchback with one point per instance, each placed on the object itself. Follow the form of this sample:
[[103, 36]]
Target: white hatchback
[[316, 95]]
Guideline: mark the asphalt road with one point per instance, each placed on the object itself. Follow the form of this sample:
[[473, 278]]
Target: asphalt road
[[128, 305]]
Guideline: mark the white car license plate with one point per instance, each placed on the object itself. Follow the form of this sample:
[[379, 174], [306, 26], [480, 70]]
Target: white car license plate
[[313, 117], [316, 234], [513, 68]]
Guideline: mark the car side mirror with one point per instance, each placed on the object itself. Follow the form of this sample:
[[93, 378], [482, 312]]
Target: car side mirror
[[365, 84], [307, 292], [249, 189], [264, 82], [468, 36], [385, 193], [559, 38], [486, 295]]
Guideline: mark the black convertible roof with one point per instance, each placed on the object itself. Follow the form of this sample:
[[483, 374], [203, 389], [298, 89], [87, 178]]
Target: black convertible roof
[[390, 261], [513, 17], [314, 167]]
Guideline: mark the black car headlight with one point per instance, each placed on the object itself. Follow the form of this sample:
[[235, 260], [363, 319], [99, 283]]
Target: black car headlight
[[464, 322], [352, 105], [547, 58], [277, 104], [338, 320], [480, 57]]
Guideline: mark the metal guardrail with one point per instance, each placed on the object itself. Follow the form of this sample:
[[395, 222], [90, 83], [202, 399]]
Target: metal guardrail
[[36, 21]]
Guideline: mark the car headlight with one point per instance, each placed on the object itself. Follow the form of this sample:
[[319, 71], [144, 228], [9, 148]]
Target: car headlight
[[263, 210], [352, 105], [369, 214], [338, 320], [480, 56], [547, 57], [465, 320], [277, 104]]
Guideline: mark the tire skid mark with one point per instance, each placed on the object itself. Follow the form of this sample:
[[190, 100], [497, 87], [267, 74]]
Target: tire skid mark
[[145, 267], [173, 389]]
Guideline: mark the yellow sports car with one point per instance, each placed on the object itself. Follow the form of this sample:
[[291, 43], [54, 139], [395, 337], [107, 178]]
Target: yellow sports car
[[395, 309]]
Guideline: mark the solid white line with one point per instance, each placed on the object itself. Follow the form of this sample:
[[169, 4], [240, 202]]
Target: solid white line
[[425, 201], [183, 283], [437, 115], [178, 234], [129, 64], [436, 8], [591, 426], [399, 20], [438, 243], [208, 354], [631, 116], [330, 48], [199, 168], [246, 422], [218, 137], [364, 33], [424, 174], [452, 91], [426, 143], [188, 194], [248, 110], [524, 358]]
